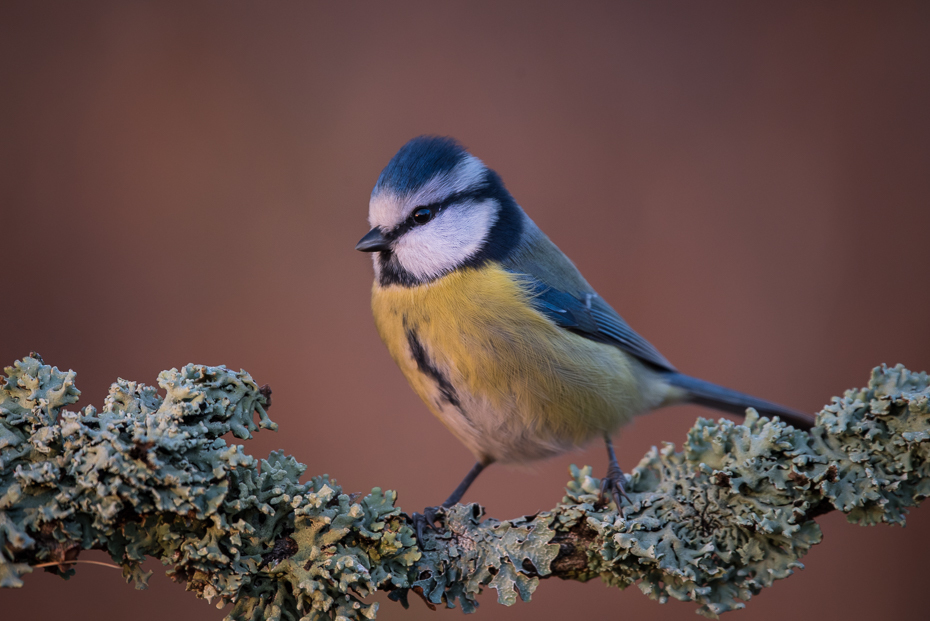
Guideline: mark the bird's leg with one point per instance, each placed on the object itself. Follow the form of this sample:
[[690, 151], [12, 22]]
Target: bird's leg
[[613, 482], [430, 515]]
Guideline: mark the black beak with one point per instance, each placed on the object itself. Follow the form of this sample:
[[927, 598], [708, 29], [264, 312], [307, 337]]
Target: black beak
[[373, 241]]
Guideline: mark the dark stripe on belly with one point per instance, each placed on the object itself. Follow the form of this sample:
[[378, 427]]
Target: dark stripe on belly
[[426, 366]]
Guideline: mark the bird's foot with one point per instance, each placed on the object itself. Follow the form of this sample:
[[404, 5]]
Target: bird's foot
[[614, 483], [427, 519]]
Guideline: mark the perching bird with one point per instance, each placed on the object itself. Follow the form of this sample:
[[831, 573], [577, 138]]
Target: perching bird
[[496, 329]]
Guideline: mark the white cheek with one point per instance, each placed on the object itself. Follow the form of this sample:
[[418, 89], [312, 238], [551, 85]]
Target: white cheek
[[448, 241]]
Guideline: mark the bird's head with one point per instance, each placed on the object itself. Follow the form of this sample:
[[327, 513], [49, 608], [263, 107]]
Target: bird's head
[[437, 208]]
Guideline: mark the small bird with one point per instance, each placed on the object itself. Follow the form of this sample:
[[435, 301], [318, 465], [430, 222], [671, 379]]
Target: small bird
[[497, 330]]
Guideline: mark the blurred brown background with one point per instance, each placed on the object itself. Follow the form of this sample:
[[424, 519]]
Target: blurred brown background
[[185, 182]]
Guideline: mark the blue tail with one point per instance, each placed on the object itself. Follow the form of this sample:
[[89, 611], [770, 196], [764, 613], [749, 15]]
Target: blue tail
[[720, 398]]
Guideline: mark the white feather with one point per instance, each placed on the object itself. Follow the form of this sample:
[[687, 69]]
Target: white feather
[[447, 242], [455, 235], [387, 210]]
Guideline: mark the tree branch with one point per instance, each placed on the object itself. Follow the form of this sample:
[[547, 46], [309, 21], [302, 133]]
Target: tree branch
[[150, 475]]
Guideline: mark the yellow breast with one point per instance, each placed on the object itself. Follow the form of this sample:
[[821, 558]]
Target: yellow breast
[[509, 383]]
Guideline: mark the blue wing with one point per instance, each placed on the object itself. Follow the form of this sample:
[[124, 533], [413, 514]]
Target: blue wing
[[593, 318], [561, 293]]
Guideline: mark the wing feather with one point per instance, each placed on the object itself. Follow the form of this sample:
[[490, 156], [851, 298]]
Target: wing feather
[[561, 293], [594, 319]]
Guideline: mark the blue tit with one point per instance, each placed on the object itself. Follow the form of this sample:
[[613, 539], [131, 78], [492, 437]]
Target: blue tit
[[496, 329]]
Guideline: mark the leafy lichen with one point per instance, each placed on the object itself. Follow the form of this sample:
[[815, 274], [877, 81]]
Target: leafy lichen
[[151, 475]]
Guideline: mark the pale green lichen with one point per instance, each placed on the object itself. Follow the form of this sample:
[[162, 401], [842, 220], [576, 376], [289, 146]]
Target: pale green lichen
[[719, 521], [472, 552], [150, 475]]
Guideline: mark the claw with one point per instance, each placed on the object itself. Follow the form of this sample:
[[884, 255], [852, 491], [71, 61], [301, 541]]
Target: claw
[[613, 483], [427, 519], [430, 515]]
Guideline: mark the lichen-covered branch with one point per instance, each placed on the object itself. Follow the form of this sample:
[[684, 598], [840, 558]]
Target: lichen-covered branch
[[150, 475]]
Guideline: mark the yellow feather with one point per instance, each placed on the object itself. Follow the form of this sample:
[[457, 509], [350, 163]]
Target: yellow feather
[[525, 387]]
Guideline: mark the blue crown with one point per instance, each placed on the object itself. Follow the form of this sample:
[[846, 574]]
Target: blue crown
[[417, 162]]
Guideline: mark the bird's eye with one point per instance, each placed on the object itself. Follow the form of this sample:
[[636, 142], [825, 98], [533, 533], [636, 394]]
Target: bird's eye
[[422, 215]]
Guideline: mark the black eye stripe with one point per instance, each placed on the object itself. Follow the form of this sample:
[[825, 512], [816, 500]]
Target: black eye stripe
[[485, 191]]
